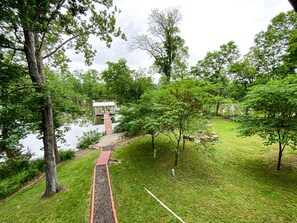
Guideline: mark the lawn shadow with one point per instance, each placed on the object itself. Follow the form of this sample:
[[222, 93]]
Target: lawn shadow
[[264, 171], [192, 166]]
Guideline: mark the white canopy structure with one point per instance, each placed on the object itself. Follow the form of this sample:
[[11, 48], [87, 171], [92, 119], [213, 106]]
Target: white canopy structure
[[105, 106]]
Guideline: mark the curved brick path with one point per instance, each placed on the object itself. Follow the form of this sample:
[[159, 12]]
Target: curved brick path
[[102, 207]]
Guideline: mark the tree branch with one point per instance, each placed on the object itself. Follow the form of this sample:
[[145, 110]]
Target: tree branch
[[19, 89], [59, 47], [11, 47], [59, 5]]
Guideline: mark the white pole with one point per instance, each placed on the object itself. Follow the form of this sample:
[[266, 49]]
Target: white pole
[[167, 208]]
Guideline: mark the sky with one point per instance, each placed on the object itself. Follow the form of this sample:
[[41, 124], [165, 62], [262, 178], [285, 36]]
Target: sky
[[205, 26]]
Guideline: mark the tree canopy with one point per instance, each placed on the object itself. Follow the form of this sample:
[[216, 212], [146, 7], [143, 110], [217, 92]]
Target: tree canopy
[[125, 85], [272, 50], [275, 120], [215, 68], [42, 30], [178, 108], [163, 42]]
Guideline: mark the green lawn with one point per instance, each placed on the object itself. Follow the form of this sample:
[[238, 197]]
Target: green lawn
[[72, 204], [239, 184]]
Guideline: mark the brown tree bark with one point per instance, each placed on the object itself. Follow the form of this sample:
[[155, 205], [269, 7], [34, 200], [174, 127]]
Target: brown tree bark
[[52, 185], [280, 153], [38, 79], [40, 68], [57, 154]]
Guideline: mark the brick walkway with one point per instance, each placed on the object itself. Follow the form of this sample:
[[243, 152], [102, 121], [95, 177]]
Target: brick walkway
[[107, 123], [103, 209]]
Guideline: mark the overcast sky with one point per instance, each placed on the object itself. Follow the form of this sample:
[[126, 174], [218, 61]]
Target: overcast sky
[[205, 26]]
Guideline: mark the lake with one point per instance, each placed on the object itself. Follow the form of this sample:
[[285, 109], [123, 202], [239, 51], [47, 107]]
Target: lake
[[71, 137]]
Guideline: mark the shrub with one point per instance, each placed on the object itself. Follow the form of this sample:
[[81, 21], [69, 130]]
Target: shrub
[[38, 164], [13, 166], [66, 154], [88, 139], [14, 183], [14, 173], [4, 171]]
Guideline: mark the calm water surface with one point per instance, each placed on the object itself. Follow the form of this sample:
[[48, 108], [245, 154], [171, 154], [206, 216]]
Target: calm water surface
[[71, 137]]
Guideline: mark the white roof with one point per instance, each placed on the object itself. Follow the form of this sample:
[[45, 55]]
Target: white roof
[[103, 104]]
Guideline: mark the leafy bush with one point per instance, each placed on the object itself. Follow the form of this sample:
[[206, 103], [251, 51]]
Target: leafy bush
[[88, 139], [13, 166], [4, 171], [14, 183], [66, 154], [15, 173], [38, 164]]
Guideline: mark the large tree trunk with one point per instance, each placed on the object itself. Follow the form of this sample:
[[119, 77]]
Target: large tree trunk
[[52, 185], [40, 68], [47, 114]]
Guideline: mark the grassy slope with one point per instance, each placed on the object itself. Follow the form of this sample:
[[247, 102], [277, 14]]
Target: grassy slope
[[69, 205], [240, 184]]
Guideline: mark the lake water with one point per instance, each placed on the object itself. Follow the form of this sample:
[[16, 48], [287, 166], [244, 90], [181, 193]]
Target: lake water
[[71, 137]]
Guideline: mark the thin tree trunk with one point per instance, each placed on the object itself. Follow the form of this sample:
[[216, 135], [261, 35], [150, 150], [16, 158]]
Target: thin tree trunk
[[184, 142], [280, 153], [176, 157], [177, 152], [217, 108], [47, 116], [153, 141]]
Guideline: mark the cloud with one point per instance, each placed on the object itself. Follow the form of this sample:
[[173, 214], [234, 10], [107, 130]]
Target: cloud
[[205, 26]]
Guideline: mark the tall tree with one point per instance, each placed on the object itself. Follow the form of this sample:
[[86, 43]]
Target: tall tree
[[163, 42], [43, 30], [124, 85], [271, 47], [244, 76], [91, 85], [274, 105], [215, 67]]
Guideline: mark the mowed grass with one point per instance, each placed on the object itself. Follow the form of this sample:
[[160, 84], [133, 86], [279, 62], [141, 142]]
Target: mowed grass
[[72, 204], [238, 184]]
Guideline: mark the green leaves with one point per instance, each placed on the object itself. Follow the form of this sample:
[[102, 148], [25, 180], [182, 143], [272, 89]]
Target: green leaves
[[177, 108], [125, 85], [272, 46], [275, 99], [163, 42], [214, 67], [274, 107]]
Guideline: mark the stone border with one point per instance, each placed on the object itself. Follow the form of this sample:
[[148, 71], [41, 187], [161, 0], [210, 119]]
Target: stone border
[[102, 161]]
